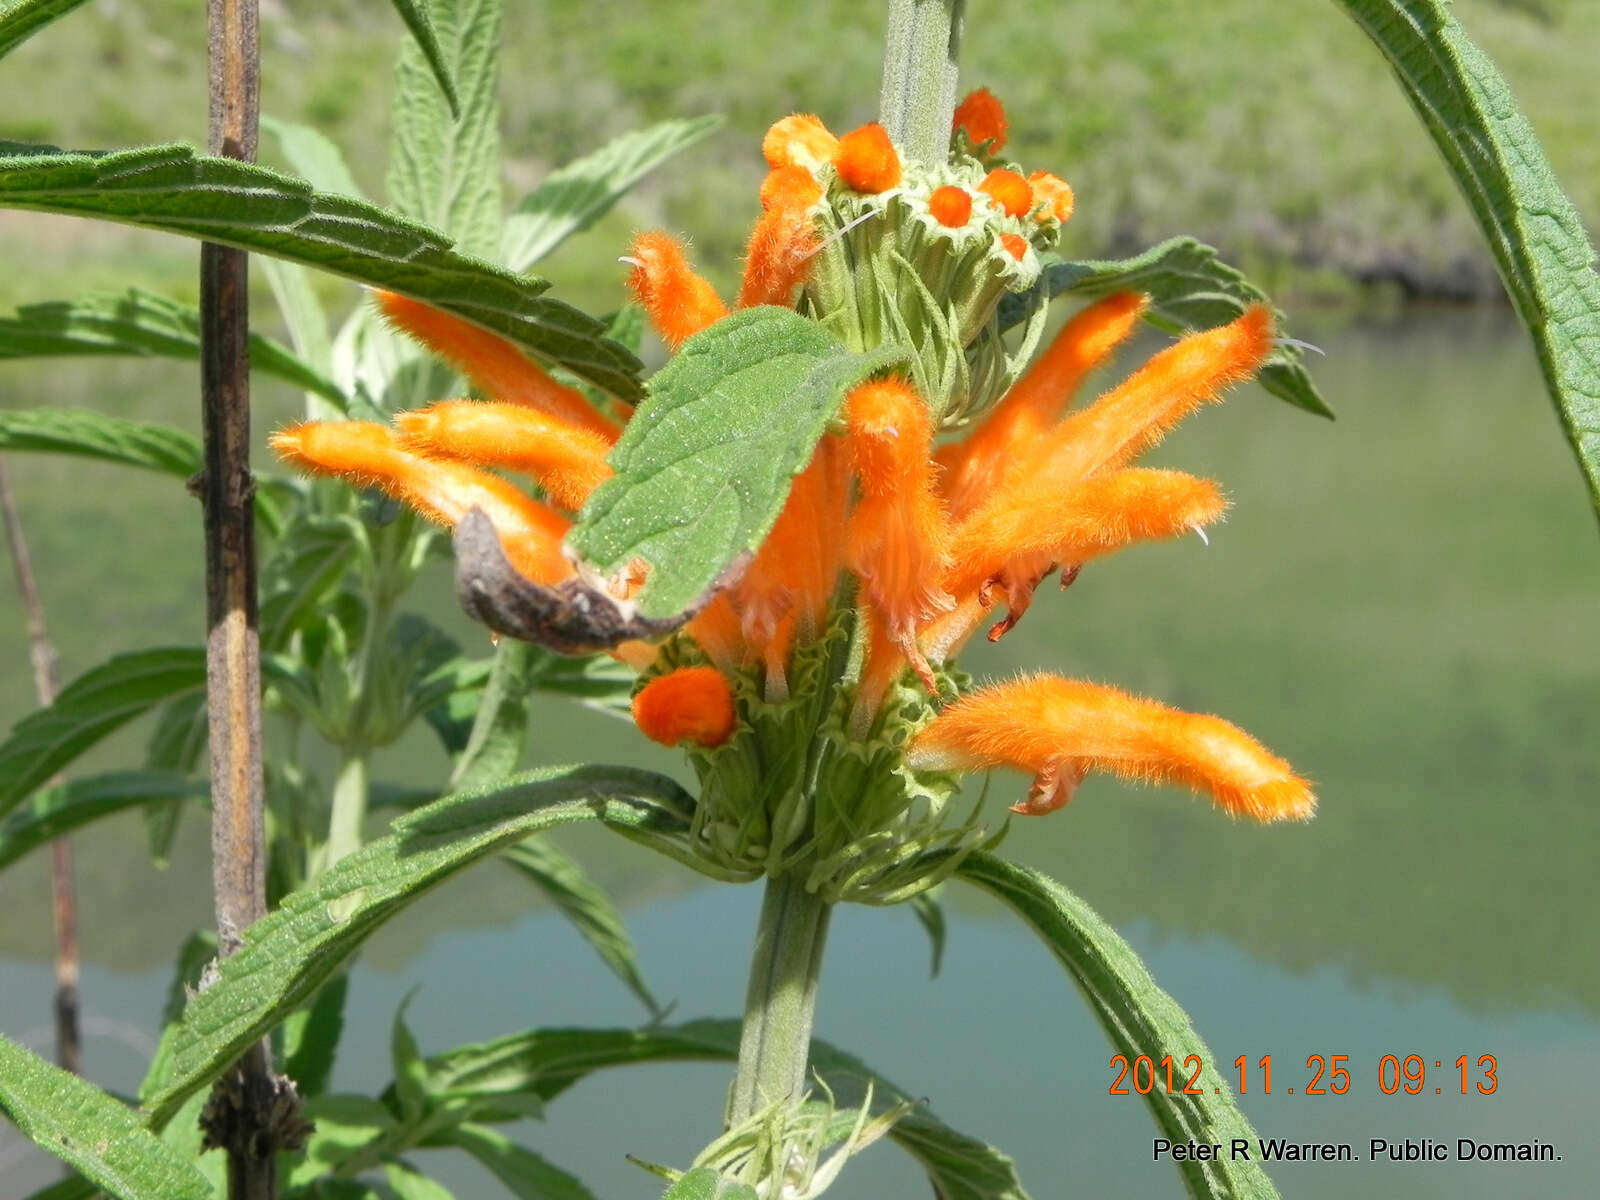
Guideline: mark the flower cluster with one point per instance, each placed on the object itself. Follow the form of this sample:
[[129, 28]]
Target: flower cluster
[[818, 692]]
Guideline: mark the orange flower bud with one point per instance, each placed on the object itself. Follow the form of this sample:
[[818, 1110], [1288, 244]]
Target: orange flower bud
[[1051, 192], [951, 206], [984, 118], [799, 141], [678, 301], [1014, 246], [691, 704], [867, 161], [790, 187], [1009, 191]]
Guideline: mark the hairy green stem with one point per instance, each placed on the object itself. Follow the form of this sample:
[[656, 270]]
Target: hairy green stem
[[919, 75], [775, 1042], [349, 808]]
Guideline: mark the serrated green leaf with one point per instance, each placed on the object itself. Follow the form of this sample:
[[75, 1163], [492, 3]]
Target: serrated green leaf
[[74, 1188], [596, 681], [526, 1175], [1536, 236], [408, 1183], [291, 951], [410, 1075], [343, 1126], [308, 565], [426, 41], [198, 949], [137, 322], [56, 811], [92, 1132], [311, 1038], [575, 196], [585, 903], [171, 188], [22, 19], [175, 746], [1136, 1014], [1189, 288], [98, 702], [704, 467], [703, 1183], [97, 435], [444, 159]]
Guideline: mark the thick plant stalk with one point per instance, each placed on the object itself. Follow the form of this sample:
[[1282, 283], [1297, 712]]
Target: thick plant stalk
[[252, 1113], [918, 98], [69, 1041], [781, 1001]]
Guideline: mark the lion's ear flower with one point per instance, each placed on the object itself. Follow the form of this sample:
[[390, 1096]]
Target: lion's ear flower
[[982, 118], [1059, 729], [371, 455], [691, 704]]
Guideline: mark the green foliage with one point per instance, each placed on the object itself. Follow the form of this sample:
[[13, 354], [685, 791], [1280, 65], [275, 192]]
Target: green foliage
[[1137, 1015], [526, 1175], [170, 188], [415, 13], [89, 1130], [57, 811], [311, 1038], [139, 323], [704, 466], [444, 169], [22, 19], [95, 704], [1536, 236], [289, 954], [574, 197], [703, 1183], [98, 435], [1189, 288]]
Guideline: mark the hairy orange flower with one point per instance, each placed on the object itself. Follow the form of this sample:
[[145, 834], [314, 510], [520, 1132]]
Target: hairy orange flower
[[983, 118], [691, 704], [1008, 191], [867, 160]]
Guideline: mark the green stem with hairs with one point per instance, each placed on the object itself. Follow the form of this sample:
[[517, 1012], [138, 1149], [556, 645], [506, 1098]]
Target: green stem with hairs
[[919, 75], [349, 808], [775, 1042]]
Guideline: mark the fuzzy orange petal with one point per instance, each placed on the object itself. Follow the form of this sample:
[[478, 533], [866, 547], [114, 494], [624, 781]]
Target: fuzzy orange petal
[[370, 455], [691, 704], [975, 466], [567, 461], [679, 302], [716, 631], [1052, 192], [982, 115], [1008, 191], [898, 536], [798, 564], [800, 140], [1058, 729], [1072, 525], [779, 253], [495, 366]]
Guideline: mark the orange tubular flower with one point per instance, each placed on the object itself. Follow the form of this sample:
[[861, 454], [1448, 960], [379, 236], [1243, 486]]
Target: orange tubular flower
[[568, 462], [370, 455], [679, 302], [1060, 729], [492, 363]]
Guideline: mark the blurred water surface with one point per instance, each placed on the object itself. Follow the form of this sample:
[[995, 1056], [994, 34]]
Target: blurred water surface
[[1401, 602]]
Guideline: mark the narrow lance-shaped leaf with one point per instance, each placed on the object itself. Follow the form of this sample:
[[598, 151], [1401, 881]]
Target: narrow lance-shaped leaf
[[287, 955], [313, 156], [1189, 288], [140, 323], [575, 196], [546, 1062], [97, 435], [415, 15], [526, 1175], [170, 188], [60, 810], [91, 1131], [444, 160], [93, 705], [704, 466], [1535, 234], [1138, 1017], [22, 19]]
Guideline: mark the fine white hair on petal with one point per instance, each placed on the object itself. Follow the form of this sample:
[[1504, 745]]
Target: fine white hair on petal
[[632, 262], [1201, 533]]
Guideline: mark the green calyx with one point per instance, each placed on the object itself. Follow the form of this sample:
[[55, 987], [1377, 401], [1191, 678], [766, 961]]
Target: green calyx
[[891, 272], [794, 791]]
